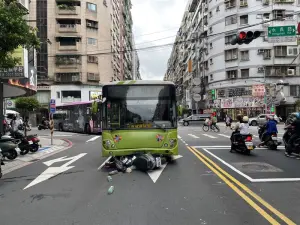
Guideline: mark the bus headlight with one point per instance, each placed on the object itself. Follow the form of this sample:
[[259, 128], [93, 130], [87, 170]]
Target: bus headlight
[[172, 142], [112, 145], [166, 144], [107, 144]]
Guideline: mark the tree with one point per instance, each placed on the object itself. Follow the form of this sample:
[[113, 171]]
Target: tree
[[27, 104], [14, 32]]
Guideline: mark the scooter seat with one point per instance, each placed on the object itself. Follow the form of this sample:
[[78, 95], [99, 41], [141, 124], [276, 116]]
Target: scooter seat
[[4, 139]]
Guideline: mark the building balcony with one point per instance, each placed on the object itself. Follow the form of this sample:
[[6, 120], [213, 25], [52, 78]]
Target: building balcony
[[67, 78], [69, 47], [68, 10], [68, 28]]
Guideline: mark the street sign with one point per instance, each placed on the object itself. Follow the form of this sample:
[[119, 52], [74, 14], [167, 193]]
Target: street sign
[[282, 34], [196, 90], [52, 106], [196, 97]]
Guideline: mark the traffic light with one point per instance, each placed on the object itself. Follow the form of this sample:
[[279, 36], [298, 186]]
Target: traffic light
[[213, 94], [272, 109], [245, 37]]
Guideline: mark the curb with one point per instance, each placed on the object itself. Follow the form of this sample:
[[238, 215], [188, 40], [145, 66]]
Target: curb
[[21, 165]]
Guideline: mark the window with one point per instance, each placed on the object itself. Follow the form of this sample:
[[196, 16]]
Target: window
[[231, 54], [280, 51], [230, 20], [259, 16], [92, 59], [210, 30], [58, 95], [228, 38], [92, 41], [266, 16], [243, 19], [244, 73], [292, 51], [211, 77], [243, 3], [267, 54], [244, 55], [218, 8], [91, 7], [231, 74], [91, 24], [68, 41], [278, 14], [211, 45], [210, 61], [295, 90], [210, 14]]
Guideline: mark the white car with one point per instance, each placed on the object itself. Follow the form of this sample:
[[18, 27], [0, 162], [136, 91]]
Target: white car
[[262, 119]]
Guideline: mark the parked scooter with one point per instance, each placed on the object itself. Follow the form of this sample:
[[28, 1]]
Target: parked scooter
[[243, 144], [8, 147], [23, 143], [29, 143], [273, 142]]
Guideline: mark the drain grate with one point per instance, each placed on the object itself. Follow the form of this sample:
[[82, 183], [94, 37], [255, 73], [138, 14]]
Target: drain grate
[[256, 167]]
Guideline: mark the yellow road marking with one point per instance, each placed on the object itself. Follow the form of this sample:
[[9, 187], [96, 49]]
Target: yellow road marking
[[246, 189], [238, 191]]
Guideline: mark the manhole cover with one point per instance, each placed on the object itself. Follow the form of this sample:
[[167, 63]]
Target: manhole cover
[[255, 167]]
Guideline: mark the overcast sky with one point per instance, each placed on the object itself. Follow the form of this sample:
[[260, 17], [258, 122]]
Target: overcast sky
[[153, 20]]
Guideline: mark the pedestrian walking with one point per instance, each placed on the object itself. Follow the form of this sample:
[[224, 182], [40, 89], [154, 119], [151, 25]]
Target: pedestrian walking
[[228, 121]]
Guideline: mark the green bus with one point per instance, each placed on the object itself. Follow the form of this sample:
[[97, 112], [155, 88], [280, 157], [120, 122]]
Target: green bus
[[139, 117]]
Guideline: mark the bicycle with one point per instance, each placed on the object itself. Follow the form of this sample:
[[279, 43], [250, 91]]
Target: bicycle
[[207, 127]]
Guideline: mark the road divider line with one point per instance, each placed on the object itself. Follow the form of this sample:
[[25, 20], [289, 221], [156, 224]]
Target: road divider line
[[237, 190], [246, 189], [194, 136], [223, 135], [208, 136], [100, 167], [93, 139], [178, 136]]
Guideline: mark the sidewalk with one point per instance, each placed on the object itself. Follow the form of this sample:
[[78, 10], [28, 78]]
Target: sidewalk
[[45, 151]]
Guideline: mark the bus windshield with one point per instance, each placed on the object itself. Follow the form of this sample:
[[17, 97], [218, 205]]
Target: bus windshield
[[143, 107]]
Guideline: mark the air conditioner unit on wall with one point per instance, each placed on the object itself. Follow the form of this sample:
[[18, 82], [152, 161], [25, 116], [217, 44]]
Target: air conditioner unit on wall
[[291, 72], [260, 51]]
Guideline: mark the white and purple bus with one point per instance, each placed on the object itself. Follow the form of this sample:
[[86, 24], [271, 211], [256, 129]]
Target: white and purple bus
[[83, 117]]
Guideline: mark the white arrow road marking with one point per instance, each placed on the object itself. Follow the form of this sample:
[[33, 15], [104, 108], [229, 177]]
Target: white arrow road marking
[[194, 136], [53, 171], [155, 174], [93, 138], [208, 136]]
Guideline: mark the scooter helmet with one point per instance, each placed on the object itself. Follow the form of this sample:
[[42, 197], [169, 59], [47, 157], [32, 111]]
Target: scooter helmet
[[271, 117], [245, 119]]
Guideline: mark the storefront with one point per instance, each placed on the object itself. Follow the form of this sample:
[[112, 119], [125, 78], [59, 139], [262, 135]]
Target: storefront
[[234, 101]]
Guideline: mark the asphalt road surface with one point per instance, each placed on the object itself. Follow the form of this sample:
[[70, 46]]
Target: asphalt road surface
[[207, 185]]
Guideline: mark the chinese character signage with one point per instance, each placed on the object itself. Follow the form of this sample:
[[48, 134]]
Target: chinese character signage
[[29, 83], [258, 90], [237, 92], [95, 95], [20, 70]]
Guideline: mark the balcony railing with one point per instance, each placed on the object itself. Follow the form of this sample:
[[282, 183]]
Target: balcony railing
[[68, 10], [67, 77], [68, 47], [68, 28]]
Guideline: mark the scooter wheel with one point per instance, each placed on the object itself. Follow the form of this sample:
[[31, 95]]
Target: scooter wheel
[[24, 152], [34, 148], [12, 155]]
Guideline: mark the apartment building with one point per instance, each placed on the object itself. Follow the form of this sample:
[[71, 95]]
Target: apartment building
[[122, 36], [135, 63], [87, 42], [232, 71]]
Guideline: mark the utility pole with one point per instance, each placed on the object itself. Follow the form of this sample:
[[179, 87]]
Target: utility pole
[[265, 96]]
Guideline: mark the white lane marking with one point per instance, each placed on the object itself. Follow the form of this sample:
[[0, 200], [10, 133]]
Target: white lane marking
[[208, 136], [226, 147], [93, 138], [178, 136], [194, 136], [223, 135], [230, 166], [260, 180], [100, 167]]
